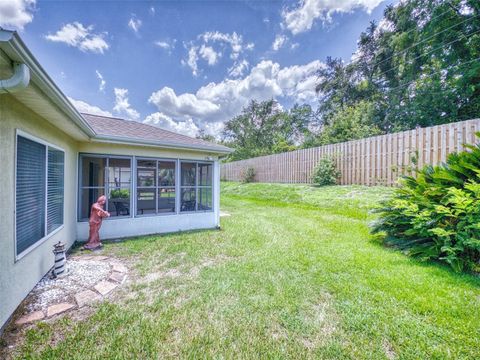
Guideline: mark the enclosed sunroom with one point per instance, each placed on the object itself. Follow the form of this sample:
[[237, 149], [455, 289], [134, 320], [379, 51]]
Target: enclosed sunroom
[[55, 162]]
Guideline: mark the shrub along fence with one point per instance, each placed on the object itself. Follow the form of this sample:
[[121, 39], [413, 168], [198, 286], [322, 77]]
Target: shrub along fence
[[377, 160]]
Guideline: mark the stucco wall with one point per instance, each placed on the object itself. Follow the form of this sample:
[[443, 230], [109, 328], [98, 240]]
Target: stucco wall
[[17, 278]]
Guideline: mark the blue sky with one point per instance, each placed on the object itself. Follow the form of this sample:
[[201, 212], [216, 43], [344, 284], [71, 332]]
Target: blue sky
[[190, 65]]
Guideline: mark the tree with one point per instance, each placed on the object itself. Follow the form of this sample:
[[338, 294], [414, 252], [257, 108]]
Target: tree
[[300, 123], [204, 136], [264, 128], [350, 123], [335, 87], [420, 67]]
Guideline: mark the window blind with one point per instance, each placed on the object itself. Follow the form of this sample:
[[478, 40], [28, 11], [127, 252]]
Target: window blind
[[30, 193], [56, 159]]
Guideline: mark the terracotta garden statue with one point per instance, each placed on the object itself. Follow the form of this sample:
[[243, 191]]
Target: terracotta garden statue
[[96, 217]]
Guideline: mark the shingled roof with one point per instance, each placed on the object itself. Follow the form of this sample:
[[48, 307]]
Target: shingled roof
[[110, 128]]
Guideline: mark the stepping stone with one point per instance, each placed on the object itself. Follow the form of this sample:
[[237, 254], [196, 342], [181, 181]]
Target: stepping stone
[[59, 308], [34, 316], [99, 258], [104, 287], [224, 214], [86, 297], [120, 268], [117, 277]]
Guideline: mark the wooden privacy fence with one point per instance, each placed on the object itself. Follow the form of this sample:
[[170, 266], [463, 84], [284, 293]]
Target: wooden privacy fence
[[378, 160]]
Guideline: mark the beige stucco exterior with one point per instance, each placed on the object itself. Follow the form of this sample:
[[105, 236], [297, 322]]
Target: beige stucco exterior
[[39, 110], [19, 276]]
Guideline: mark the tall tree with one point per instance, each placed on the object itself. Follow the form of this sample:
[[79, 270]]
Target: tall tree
[[264, 128], [419, 67]]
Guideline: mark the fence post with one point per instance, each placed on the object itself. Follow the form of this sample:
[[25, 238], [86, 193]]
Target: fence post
[[365, 161]]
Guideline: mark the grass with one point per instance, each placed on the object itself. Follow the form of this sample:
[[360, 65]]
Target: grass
[[293, 273]]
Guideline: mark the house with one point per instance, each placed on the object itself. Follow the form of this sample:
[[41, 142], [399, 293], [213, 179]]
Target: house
[[55, 162]]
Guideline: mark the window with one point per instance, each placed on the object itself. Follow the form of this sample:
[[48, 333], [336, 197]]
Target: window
[[156, 187], [196, 186], [109, 176], [39, 191], [55, 189]]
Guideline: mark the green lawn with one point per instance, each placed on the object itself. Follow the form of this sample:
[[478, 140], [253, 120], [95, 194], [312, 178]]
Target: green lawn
[[293, 273]]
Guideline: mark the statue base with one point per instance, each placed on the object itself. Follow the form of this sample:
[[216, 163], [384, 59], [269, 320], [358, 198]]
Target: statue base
[[93, 247]]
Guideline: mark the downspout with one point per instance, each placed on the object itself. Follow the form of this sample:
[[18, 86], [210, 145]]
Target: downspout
[[19, 80]]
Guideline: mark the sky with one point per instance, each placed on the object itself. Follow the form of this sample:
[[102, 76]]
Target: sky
[[187, 66]]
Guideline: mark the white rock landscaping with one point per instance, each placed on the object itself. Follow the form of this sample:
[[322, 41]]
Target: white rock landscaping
[[89, 279]]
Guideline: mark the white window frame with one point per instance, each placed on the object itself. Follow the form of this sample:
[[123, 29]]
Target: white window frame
[[156, 187], [133, 184], [39, 242], [106, 185], [196, 186]]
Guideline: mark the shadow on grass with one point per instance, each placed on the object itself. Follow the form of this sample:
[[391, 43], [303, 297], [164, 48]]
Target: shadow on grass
[[78, 245], [349, 211], [436, 268]]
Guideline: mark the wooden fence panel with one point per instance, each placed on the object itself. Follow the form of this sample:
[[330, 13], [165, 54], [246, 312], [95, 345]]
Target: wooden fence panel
[[378, 160]]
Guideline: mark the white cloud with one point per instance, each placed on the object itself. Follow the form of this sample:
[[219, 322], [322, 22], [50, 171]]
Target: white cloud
[[81, 37], [192, 60], [294, 46], [465, 8], [238, 68], [166, 45], [186, 104], [215, 103], [279, 41], [122, 105], [16, 13], [163, 45], [234, 40], [208, 54], [211, 45], [152, 10], [163, 121], [302, 17], [84, 107], [102, 83], [384, 25], [134, 23]]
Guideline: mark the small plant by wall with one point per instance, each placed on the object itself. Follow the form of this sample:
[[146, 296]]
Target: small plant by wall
[[435, 215], [248, 174], [120, 194], [326, 172]]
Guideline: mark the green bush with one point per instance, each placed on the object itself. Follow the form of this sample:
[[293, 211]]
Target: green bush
[[436, 216], [326, 173], [119, 194], [248, 174]]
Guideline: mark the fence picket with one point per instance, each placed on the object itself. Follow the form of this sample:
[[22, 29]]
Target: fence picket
[[366, 161]]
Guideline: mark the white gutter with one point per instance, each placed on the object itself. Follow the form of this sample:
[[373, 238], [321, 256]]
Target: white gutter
[[163, 144], [18, 81], [17, 51]]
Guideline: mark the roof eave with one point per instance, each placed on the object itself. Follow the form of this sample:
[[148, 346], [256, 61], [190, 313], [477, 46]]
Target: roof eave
[[162, 144], [42, 80]]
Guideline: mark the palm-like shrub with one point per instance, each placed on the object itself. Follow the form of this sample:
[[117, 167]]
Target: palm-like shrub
[[436, 216]]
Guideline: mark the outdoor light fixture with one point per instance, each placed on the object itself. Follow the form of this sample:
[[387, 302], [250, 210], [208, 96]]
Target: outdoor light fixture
[[60, 259]]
